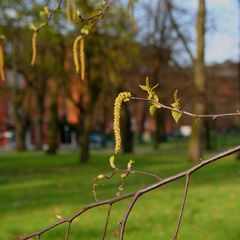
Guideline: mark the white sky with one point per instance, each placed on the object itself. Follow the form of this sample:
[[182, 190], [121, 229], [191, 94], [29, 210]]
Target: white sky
[[222, 43]]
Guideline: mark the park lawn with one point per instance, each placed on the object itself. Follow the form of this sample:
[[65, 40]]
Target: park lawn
[[35, 187]]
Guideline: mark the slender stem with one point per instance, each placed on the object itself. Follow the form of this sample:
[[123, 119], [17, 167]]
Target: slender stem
[[137, 194], [107, 221], [171, 179], [68, 230], [101, 14], [125, 217], [140, 172], [76, 215], [182, 207], [213, 116], [147, 174], [51, 14]]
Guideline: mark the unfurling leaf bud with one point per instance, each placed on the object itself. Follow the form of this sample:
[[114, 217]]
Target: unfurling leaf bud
[[129, 165], [111, 161], [123, 175], [101, 176]]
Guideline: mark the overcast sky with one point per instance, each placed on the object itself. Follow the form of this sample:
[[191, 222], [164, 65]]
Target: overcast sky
[[222, 42], [222, 38]]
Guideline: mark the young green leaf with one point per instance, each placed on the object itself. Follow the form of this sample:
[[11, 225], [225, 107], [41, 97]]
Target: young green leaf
[[154, 87], [176, 115], [147, 82], [144, 88], [152, 110], [176, 105], [175, 96]]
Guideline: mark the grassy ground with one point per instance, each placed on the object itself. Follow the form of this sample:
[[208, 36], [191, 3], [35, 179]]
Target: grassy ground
[[35, 187]]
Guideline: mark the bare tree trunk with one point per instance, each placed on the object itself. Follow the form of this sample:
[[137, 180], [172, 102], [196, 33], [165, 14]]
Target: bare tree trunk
[[157, 130], [20, 126], [127, 134], [18, 110], [143, 120], [207, 134], [39, 121], [84, 137], [199, 82], [53, 123]]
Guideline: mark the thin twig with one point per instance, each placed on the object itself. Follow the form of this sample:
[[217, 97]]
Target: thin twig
[[171, 179], [137, 194], [182, 207], [125, 217], [76, 215], [95, 17], [51, 15], [194, 115], [141, 172], [107, 221], [68, 230]]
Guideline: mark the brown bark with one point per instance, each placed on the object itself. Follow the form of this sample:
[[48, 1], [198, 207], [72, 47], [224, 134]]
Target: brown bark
[[53, 124], [199, 82], [18, 110], [20, 123], [39, 121], [127, 133], [84, 137]]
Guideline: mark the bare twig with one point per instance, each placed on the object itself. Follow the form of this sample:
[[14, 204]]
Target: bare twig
[[68, 230], [125, 217], [182, 207], [194, 115], [76, 215], [107, 221], [139, 193], [171, 179], [178, 31], [102, 11], [145, 173]]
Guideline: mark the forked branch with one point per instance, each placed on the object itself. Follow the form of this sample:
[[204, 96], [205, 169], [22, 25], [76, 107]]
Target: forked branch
[[136, 195]]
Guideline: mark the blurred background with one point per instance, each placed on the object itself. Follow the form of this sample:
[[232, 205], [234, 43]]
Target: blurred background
[[51, 121]]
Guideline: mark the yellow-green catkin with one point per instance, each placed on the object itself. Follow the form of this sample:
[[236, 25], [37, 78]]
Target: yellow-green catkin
[[82, 58], [34, 48], [74, 10], [2, 75], [75, 53], [68, 11], [122, 97]]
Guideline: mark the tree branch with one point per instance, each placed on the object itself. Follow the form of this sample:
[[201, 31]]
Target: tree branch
[[182, 207], [177, 29], [194, 115], [51, 15], [107, 221], [137, 194]]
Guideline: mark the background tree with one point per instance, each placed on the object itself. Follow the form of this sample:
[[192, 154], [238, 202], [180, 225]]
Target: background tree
[[199, 83]]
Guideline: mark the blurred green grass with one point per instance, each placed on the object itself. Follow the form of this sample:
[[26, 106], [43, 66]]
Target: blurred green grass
[[34, 187]]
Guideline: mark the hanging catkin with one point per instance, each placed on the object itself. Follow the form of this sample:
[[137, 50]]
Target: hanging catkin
[[74, 10], [75, 53], [2, 75], [122, 97], [68, 11], [82, 58], [34, 48]]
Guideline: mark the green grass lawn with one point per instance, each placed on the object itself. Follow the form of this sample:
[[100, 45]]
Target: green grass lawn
[[35, 187]]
